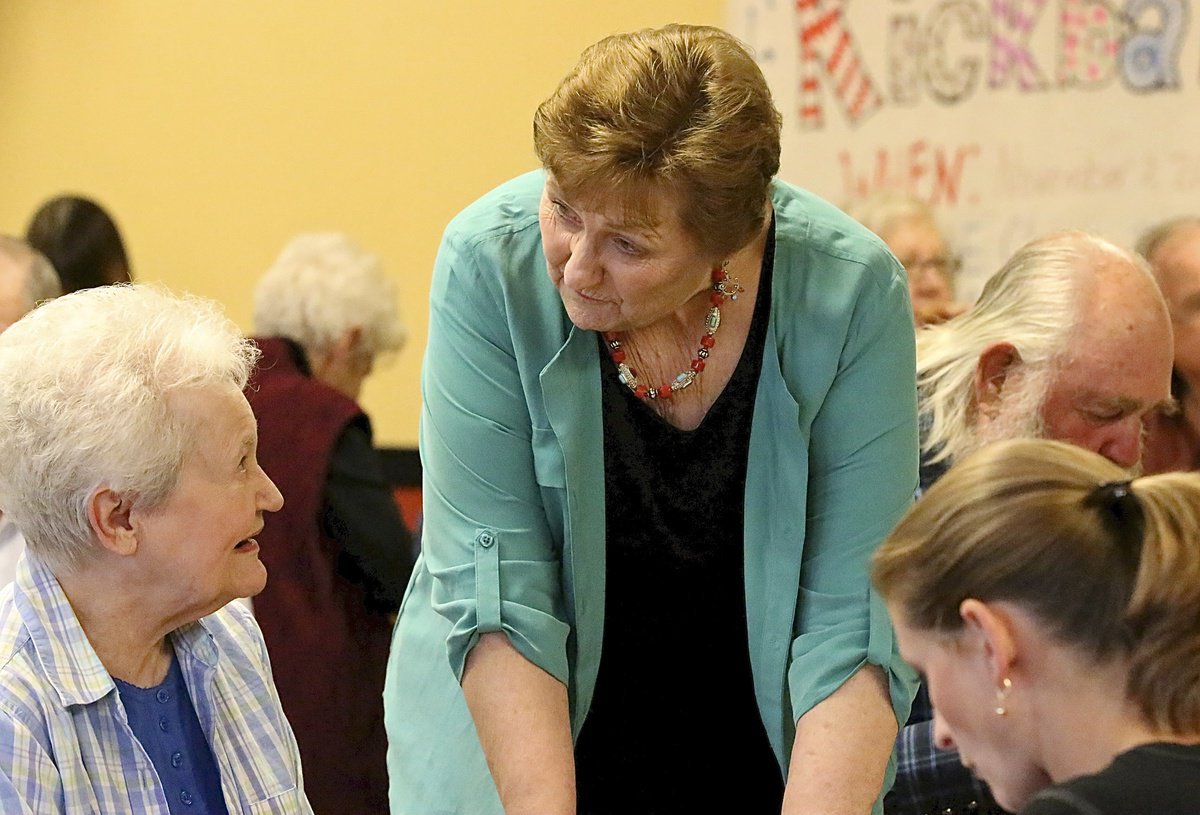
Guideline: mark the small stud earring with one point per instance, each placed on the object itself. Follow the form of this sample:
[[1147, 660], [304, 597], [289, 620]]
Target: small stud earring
[[1002, 696]]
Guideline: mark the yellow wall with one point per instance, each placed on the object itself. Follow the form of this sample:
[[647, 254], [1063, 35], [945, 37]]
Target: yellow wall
[[215, 130]]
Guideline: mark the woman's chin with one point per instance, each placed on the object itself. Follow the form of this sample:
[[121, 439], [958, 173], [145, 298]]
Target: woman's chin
[[590, 319], [250, 582], [1015, 795]]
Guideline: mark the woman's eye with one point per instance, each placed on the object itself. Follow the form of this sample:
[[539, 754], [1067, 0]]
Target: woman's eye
[[561, 210], [627, 246]]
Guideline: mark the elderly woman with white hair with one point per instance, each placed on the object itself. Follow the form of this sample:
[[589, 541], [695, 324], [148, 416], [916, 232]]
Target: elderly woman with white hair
[[128, 683], [339, 554], [907, 225]]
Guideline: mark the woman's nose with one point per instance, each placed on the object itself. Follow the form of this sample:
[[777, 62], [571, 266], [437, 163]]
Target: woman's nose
[[942, 739], [930, 282], [582, 267], [270, 498]]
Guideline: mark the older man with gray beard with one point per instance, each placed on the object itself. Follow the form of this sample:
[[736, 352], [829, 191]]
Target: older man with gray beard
[[1070, 340]]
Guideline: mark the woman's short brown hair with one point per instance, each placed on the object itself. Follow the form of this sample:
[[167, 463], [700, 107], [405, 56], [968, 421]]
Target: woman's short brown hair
[[683, 108], [1110, 569]]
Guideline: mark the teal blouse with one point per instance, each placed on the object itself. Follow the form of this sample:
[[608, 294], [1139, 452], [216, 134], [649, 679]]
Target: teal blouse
[[512, 450]]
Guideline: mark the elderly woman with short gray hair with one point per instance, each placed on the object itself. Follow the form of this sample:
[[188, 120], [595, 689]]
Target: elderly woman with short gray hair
[[127, 457], [339, 554]]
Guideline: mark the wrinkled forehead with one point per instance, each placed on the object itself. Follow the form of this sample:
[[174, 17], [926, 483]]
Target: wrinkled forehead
[[633, 202], [1123, 307], [1177, 268], [913, 234], [1180, 249], [218, 417], [1123, 366]]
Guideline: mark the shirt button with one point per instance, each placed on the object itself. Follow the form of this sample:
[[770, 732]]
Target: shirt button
[[486, 539], [162, 725], [177, 759], [186, 798], [163, 696]]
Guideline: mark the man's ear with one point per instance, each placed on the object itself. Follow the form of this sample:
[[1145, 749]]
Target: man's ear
[[994, 631], [995, 364], [109, 513]]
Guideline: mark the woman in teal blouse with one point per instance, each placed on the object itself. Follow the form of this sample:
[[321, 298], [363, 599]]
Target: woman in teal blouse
[[669, 412]]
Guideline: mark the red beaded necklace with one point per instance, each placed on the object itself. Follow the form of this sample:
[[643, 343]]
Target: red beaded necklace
[[722, 286]]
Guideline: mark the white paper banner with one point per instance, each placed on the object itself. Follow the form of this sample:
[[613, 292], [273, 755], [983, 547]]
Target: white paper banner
[[1010, 117]]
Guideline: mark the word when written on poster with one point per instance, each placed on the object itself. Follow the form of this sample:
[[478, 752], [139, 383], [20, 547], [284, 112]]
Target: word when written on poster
[[955, 49], [938, 173]]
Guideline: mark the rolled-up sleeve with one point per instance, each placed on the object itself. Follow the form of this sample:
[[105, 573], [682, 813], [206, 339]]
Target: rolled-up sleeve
[[862, 475], [495, 563]]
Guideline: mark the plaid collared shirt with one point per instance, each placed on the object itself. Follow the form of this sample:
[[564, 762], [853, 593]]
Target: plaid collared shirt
[[65, 742], [930, 781]]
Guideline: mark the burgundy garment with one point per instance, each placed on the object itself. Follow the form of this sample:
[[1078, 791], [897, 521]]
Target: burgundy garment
[[328, 652]]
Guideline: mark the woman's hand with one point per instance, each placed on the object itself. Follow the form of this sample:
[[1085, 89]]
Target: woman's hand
[[520, 712]]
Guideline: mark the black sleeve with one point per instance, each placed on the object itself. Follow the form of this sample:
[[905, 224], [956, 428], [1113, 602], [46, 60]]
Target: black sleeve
[[360, 513], [1055, 802]]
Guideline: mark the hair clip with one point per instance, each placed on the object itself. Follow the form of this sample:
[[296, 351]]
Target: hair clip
[[1114, 490], [1123, 510]]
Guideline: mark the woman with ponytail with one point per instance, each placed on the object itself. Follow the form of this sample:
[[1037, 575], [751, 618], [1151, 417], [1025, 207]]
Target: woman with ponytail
[[1054, 608]]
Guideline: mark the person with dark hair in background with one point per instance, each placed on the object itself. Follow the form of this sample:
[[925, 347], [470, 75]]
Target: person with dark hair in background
[[1052, 604], [338, 553], [81, 240]]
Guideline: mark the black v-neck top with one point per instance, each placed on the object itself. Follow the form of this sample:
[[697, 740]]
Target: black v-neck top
[[673, 724]]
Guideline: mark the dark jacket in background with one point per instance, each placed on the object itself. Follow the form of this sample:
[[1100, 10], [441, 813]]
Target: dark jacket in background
[[338, 557]]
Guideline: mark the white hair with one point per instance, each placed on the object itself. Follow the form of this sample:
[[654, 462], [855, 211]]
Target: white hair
[[882, 210], [41, 281], [87, 380], [322, 285], [1033, 303], [1019, 413]]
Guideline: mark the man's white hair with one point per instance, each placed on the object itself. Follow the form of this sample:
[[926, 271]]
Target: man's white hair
[[322, 285], [85, 403], [1033, 303], [41, 281]]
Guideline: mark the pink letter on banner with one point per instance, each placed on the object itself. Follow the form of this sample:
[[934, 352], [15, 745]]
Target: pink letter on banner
[[827, 47], [1091, 36], [1014, 21]]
